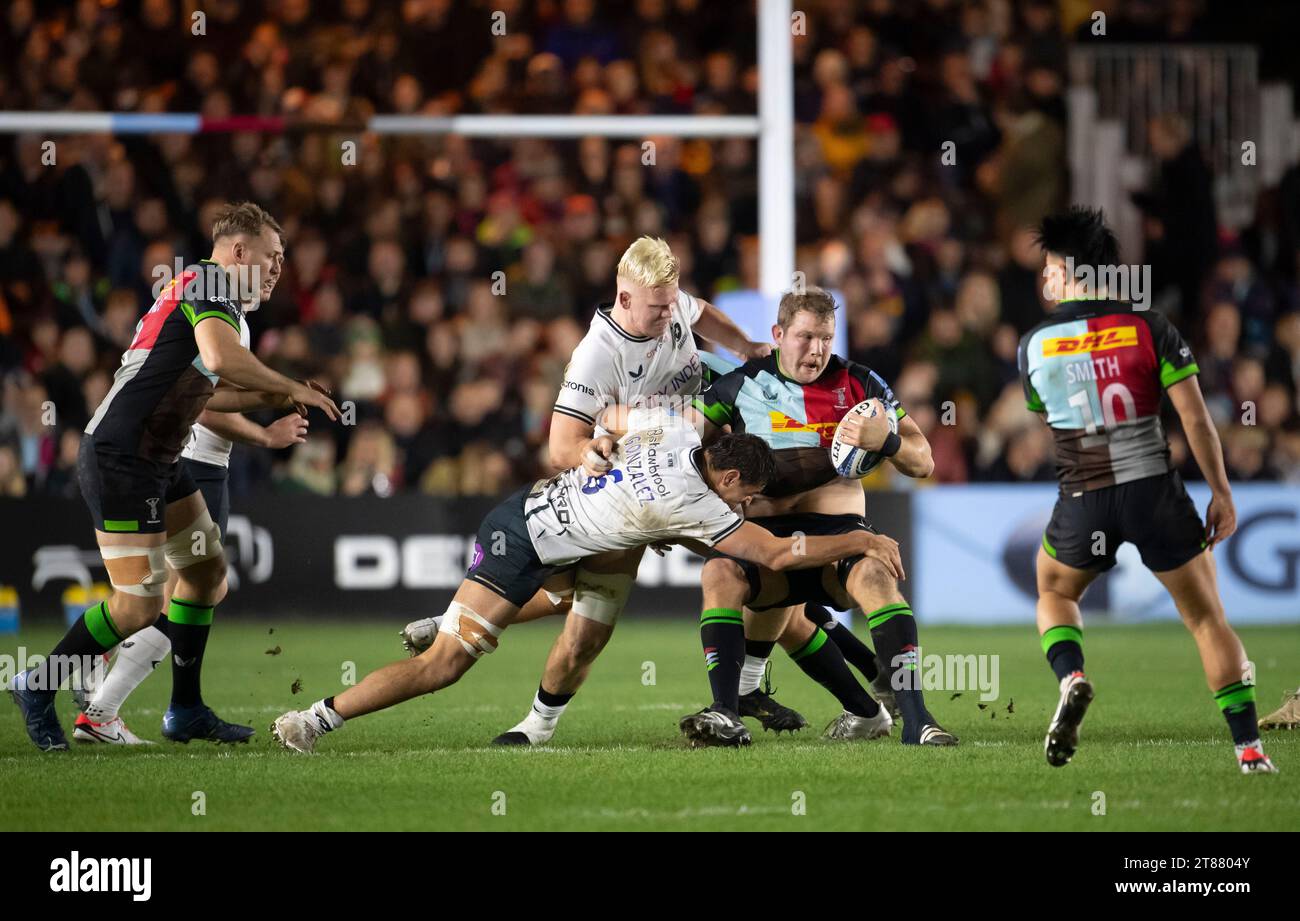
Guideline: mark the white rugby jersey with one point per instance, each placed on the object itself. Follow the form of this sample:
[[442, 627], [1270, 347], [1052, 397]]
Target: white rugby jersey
[[204, 444], [655, 492], [611, 366]]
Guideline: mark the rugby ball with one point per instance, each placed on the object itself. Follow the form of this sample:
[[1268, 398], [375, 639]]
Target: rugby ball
[[850, 460]]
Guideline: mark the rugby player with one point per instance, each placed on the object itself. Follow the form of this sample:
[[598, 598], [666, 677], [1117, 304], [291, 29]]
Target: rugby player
[[663, 485], [206, 458], [639, 349], [1097, 369], [147, 511], [796, 399]]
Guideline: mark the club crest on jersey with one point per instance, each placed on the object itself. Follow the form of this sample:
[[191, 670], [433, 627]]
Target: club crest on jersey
[[677, 334], [1098, 341], [153, 510], [840, 398]]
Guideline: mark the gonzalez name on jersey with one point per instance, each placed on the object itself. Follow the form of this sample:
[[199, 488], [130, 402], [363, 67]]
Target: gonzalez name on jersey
[[655, 491]]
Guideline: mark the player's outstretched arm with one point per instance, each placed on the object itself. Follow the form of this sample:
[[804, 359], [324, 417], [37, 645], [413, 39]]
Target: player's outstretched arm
[[716, 326], [282, 433], [1203, 439], [223, 355], [759, 545]]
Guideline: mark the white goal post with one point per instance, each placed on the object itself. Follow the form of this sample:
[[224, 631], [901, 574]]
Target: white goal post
[[773, 127]]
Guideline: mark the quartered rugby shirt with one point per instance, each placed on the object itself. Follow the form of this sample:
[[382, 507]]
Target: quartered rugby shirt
[[1097, 370], [162, 384], [797, 420]]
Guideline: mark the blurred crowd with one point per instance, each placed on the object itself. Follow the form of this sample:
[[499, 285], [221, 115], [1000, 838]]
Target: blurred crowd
[[441, 283]]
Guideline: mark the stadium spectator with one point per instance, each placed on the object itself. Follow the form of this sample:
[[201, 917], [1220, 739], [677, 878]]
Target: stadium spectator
[[441, 283]]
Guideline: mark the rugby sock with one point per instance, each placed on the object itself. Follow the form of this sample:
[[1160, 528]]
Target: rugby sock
[[722, 633], [751, 673], [539, 725], [137, 657], [1237, 701], [894, 630], [188, 626], [323, 715], [824, 663], [550, 706], [1063, 647], [93, 634], [858, 653]]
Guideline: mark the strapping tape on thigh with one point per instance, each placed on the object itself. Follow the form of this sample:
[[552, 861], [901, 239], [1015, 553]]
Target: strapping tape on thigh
[[601, 596], [153, 584], [200, 542], [477, 636]]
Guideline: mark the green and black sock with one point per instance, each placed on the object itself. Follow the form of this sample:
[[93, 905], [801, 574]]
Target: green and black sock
[[1237, 701], [824, 663], [188, 626], [893, 628], [722, 633], [858, 653], [93, 634], [1063, 647]]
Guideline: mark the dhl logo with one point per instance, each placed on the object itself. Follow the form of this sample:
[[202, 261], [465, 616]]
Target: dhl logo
[[781, 423], [1100, 341]]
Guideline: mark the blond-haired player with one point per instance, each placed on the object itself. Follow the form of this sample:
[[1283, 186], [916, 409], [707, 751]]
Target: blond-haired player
[[640, 350]]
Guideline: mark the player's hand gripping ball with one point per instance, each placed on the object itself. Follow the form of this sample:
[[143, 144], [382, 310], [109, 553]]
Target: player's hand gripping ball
[[851, 460]]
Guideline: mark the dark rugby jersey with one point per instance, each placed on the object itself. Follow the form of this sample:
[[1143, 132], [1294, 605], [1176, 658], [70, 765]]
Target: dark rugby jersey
[[1098, 370], [162, 385], [797, 420]]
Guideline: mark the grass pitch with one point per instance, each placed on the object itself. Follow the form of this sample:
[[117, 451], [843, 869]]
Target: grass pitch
[[1153, 744]]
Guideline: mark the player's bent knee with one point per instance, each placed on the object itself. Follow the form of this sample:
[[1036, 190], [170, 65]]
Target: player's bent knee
[[722, 575], [601, 596], [195, 553], [442, 665], [870, 574], [474, 634], [139, 579]]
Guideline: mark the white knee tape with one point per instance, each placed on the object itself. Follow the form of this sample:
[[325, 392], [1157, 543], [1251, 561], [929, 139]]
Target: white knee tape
[[153, 585], [601, 596], [477, 636], [199, 542]]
